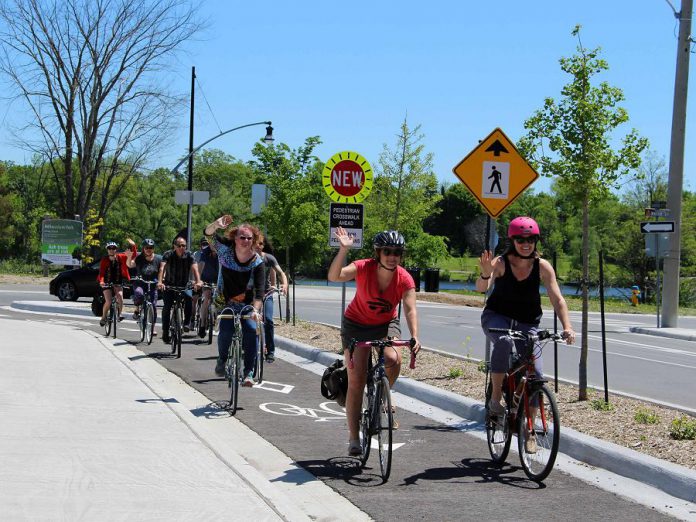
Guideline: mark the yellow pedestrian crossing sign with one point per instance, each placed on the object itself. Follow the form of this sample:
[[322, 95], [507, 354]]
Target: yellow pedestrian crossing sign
[[495, 173]]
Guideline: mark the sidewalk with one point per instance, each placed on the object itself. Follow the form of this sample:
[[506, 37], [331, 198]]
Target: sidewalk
[[93, 430]]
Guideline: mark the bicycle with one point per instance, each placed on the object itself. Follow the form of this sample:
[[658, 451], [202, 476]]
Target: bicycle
[[112, 314], [530, 408], [263, 348], [146, 321], [210, 319], [176, 319], [233, 365], [377, 417]]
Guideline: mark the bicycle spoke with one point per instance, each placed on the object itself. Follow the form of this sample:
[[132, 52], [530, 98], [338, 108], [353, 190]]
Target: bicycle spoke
[[364, 426], [384, 424], [498, 434], [538, 433]]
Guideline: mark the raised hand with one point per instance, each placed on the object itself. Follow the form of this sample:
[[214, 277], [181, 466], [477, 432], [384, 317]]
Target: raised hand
[[344, 238], [486, 264], [223, 221]]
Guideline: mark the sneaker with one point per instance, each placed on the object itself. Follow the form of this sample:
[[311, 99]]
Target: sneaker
[[120, 318], [530, 445], [496, 409], [354, 449], [220, 367], [102, 322], [154, 333], [166, 339], [136, 315], [248, 380], [270, 357], [201, 332]]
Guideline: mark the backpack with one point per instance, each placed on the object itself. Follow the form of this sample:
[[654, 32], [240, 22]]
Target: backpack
[[334, 382], [98, 304]]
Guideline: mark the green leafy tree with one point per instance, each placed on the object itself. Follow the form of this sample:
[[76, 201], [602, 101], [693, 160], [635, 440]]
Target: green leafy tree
[[572, 140], [458, 220]]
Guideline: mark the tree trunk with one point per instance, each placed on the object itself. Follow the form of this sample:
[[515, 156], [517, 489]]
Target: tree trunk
[[584, 284]]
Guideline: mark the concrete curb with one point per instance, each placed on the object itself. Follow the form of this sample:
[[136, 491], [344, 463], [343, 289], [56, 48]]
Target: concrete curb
[[672, 333], [673, 479]]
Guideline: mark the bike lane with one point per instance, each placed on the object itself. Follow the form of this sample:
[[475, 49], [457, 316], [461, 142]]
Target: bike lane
[[439, 472]]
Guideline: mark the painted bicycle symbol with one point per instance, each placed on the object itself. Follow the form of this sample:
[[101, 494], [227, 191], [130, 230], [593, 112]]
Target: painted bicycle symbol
[[327, 411]]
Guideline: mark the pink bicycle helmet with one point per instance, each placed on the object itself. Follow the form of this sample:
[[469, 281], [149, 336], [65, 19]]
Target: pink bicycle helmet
[[523, 226]]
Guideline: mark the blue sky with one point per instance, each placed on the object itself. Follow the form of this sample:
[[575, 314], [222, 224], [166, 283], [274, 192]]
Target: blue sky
[[351, 71]]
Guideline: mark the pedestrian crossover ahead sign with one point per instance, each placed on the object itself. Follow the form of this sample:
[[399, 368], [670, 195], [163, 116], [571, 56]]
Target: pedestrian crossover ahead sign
[[350, 217], [495, 173]]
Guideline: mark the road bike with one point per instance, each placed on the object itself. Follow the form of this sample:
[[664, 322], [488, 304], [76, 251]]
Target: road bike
[[234, 367], [530, 408], [210, 318], [112, 314], [176, 318], [146, 320], [377, 416]]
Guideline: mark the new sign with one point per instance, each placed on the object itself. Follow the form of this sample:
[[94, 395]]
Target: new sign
[[347, 177], [495, 173]]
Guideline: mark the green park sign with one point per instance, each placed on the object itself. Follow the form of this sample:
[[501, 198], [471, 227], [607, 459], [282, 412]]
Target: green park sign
[[61, 241]]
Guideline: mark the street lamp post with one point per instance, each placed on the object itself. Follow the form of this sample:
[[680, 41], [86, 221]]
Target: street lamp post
[[267, 139]]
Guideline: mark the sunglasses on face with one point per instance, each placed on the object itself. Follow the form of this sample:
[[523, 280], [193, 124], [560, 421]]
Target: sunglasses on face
[[180, 245], [245, 238], [148, 248], [522, 239], [393, 252], [111, 248]]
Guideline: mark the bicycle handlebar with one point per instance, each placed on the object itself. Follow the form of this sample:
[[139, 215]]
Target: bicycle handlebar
[[244, 313], [382, 343], [541, 335]]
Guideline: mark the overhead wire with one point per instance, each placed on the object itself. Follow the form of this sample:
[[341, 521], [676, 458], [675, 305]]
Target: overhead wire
[[208, 104]]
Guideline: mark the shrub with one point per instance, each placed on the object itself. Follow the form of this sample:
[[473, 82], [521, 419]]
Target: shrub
[[683, 428], [644, 416], [455, 372], [600, 405]]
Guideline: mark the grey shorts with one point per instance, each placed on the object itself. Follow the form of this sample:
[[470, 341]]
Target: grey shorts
[[360, 332], [502, 345]]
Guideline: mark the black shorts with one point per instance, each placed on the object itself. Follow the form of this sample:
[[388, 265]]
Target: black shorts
[[360, 332]]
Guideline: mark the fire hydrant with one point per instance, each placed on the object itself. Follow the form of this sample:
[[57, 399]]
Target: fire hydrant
[[635, 295]]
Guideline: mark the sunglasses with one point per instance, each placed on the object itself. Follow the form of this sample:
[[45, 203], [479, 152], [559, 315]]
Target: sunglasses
[[393, 252], [148, 248], [111, 248], [245, 238], [523, 239], [180, 245]]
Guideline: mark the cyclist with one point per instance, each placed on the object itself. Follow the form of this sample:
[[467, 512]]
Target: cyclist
[[372, 314], [196, 295], [174, 270], [113, 269], [147, 265], [515, 301], [273, 271], [208, 267], [240, 283]]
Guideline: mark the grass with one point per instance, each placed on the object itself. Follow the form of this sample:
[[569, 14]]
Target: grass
[[645, 416], [600, 405]]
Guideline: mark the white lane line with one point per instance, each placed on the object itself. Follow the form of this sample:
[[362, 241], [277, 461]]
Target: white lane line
[[648, 346], [648, 359], [44, 292]]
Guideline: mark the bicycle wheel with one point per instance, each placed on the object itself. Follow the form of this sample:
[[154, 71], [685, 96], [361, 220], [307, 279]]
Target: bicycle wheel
[[180, 332], [114, 317], [498, 433], [149, 322], [211, 323], [109, 322], [258, 370], [538, 433], [364, 426], [384, 425], [173, 329], [232, 370]]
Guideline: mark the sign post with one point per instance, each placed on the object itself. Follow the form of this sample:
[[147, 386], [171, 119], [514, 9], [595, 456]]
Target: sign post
[[347, 180], [660, 231]]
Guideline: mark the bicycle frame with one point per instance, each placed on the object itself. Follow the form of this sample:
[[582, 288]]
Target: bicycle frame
[[147, 302], [176, 326]]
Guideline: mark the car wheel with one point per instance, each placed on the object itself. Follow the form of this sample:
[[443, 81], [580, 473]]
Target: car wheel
[[67, 291]]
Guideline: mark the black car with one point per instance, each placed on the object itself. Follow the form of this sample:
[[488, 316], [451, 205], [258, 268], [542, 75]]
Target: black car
[[80, 282]]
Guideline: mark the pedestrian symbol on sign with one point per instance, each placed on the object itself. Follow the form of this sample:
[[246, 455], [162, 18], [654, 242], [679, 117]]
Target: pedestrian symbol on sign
[[496, 180]]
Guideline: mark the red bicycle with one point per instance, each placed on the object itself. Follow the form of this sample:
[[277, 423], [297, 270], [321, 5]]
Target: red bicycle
[[530, 408]]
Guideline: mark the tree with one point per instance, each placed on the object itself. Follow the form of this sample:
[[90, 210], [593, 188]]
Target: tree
[[572, 140], [89, 73]]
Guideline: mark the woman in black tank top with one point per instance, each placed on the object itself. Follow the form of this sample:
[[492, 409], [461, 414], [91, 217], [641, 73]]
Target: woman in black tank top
[[514, 301]]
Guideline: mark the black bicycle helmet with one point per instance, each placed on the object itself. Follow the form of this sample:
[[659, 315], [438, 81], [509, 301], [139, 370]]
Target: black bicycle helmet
[[389, 238], [147, 242]]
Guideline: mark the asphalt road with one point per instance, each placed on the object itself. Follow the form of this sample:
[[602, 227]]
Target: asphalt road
[[637, 364], [440, 472]]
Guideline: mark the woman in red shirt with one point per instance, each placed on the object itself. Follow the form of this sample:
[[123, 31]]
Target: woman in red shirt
[[113, 269], [372, 314]]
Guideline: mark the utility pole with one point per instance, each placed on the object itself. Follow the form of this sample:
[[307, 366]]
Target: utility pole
[[190, 162], [670, 304]]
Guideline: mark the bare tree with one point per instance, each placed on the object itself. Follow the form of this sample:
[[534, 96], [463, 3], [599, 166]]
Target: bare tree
[[90, 73]]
